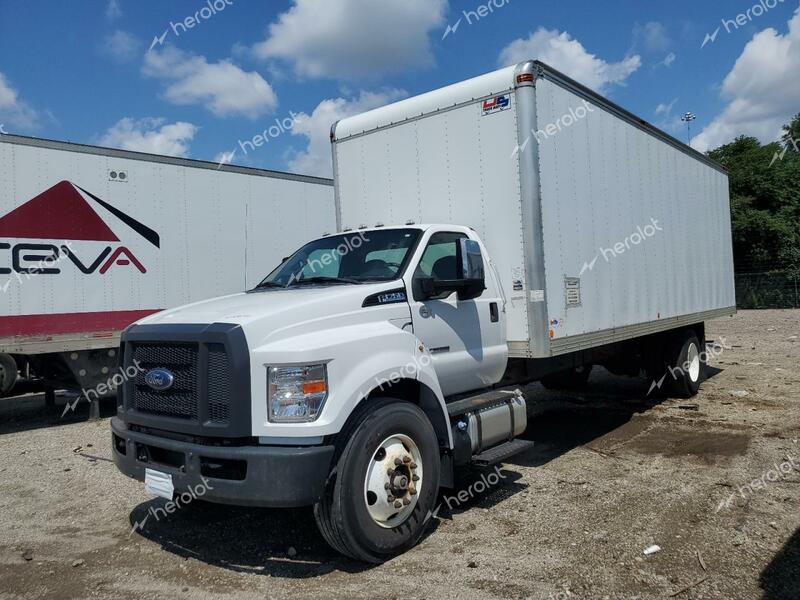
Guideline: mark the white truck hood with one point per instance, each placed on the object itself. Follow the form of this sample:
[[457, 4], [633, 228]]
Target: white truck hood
[[280, 308]]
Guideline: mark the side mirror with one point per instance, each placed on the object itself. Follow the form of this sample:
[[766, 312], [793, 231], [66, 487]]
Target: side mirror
[[471, 279], [470, 260]]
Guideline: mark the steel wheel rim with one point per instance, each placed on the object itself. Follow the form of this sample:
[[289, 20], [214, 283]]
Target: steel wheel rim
[[693, 358], [393, 481]]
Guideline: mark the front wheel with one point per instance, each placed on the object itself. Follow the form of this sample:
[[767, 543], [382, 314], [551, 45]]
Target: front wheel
[[383, 486]]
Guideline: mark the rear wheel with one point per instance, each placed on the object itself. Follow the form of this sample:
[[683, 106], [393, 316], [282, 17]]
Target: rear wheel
[[686, 366], [573, 379], [8, 373], [383, 485]]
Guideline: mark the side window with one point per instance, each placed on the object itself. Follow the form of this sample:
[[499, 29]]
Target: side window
[[439, 259]]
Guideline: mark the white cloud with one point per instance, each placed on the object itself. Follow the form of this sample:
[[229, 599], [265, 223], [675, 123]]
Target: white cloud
[[762, 89], [665, 109], [13, 110], [121, 46], [113, 11], [316, 158], [561, 52], [222, 87], [150, 135], [668, 120], [652, 36], [353, 38]]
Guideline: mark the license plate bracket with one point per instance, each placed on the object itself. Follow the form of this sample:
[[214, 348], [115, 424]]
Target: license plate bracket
[[158, 484]]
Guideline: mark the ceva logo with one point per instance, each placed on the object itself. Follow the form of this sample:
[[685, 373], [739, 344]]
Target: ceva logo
[[63, 213]]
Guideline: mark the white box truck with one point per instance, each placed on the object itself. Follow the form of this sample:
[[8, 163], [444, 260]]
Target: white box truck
[[92, 239], [510, 228]]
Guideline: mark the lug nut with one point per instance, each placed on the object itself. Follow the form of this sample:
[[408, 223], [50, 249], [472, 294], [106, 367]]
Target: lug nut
[[412, 491], [415, 478], [390, 498], [398, 504], [398, 462], [406, 501], [386, 485], [390, 472], [413, 465], [406, 459]]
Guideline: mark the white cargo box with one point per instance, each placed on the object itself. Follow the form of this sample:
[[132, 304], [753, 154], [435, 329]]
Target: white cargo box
[[602, 227], [142, 233]]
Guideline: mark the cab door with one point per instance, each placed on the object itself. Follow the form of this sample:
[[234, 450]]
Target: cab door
[[466, 338]]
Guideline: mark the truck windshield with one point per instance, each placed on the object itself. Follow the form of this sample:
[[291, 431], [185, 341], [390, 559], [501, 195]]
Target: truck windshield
[[356, 257]]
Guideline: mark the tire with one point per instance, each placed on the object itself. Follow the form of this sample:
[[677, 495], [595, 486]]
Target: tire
[[685, 365], [8, 374], [573, 379], [346, 514]]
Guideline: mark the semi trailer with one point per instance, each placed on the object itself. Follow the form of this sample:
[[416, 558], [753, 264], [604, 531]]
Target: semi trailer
[[511, 228], [92, 239]]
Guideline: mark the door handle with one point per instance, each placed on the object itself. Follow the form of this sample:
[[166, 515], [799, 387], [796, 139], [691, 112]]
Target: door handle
[[494, 312]]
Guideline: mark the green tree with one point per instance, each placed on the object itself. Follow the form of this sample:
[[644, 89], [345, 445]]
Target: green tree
[[791, 134], [765, 202], [765, 214]]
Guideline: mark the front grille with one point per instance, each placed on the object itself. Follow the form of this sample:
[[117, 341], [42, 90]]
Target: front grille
[[210, 393], [191, 389], [219, 384], [181, 400]]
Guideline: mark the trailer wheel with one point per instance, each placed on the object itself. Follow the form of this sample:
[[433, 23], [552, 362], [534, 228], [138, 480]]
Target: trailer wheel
[[573, 379], [8, 373], [384, 483], [685, 365]]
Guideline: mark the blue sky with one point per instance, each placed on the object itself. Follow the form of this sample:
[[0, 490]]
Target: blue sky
[[104, 72]]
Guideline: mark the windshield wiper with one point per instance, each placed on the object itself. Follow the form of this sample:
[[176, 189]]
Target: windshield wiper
[[323, 280], [269, 284]]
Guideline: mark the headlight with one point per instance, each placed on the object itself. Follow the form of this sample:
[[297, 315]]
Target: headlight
[[296, 394]]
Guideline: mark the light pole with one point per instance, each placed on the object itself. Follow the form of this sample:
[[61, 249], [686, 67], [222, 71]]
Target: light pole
[[688, 118]]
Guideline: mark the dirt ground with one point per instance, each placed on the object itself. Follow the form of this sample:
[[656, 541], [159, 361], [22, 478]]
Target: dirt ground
[[714, 482]]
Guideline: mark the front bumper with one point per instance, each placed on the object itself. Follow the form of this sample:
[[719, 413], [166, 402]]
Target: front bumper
[[272, 476]]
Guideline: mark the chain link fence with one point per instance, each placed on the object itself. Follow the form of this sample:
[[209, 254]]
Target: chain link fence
[[768, 289]]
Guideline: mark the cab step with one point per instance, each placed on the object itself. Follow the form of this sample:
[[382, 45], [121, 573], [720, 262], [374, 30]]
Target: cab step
[[498, 454]]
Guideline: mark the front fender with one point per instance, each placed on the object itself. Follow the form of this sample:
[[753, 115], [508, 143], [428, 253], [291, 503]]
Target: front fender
[[359, 359]]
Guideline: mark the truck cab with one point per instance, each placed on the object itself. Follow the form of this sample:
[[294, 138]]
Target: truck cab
[[327, 384]]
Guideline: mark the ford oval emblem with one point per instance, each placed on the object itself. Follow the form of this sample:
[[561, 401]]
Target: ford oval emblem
[[159, 379]]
